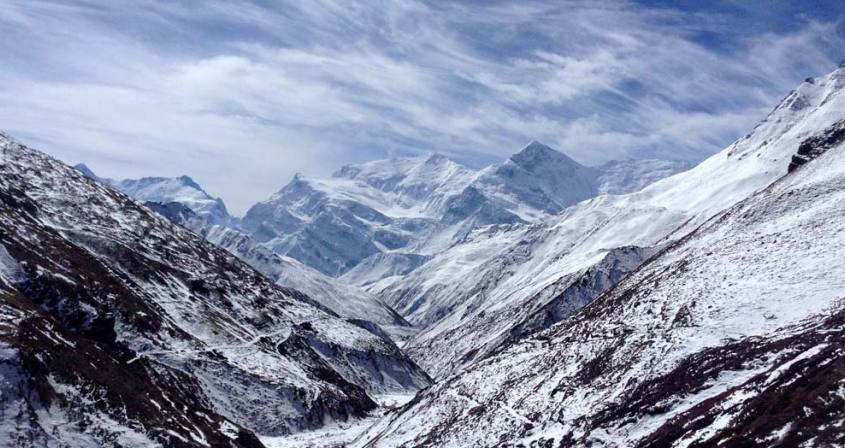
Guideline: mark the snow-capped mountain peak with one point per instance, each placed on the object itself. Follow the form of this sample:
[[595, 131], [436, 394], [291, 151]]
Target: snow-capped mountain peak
[[164, 190], [541, 178]]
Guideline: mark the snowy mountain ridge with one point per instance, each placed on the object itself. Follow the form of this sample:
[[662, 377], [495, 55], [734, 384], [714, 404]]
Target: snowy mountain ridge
[[164, 190], [717, 338]]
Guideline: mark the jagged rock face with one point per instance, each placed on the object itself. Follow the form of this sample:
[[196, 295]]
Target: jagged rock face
[[173, 211], [121, 326], [473, 204], [59, 389], [729, 336], [329, 235]]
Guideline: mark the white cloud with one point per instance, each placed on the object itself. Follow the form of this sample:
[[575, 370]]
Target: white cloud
[[242, 96]]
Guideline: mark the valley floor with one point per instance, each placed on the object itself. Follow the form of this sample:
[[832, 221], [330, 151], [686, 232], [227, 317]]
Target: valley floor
[[341, 434]]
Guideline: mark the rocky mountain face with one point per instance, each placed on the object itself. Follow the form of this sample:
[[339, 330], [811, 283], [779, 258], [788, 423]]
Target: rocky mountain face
[[120, 328], [726, 335]]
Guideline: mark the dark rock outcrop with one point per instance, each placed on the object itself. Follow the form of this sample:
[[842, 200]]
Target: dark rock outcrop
[[816, 145]]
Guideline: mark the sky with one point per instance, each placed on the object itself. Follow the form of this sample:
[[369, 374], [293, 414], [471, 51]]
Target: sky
[[242, 95]]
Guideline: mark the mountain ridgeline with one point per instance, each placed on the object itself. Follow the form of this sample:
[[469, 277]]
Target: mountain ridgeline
[[536, 303], [423, 204]]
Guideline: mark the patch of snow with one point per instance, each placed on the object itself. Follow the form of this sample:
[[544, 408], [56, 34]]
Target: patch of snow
[[10, 270]]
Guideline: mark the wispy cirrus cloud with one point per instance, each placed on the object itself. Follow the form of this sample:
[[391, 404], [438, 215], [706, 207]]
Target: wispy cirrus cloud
[[242, 95]]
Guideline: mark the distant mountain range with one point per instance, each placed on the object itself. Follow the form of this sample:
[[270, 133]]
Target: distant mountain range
[[412, 205], [422, 205]]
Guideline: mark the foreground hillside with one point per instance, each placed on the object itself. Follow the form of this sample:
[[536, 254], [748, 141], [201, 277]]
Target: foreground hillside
[[728, 336], [501, 284], [122, 329]]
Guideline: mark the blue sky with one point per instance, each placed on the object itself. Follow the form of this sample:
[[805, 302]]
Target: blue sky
[[242, 95]]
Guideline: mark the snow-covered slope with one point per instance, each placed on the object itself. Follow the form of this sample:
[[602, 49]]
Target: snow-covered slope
[[729, 336], [628, 176], [419, 185], [506, 270], [121, 327], [383, 267]]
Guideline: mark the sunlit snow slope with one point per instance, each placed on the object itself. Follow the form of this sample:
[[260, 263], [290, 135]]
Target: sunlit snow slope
[[470, 297]]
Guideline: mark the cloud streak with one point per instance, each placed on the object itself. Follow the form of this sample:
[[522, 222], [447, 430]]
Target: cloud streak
[[241, 96]]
